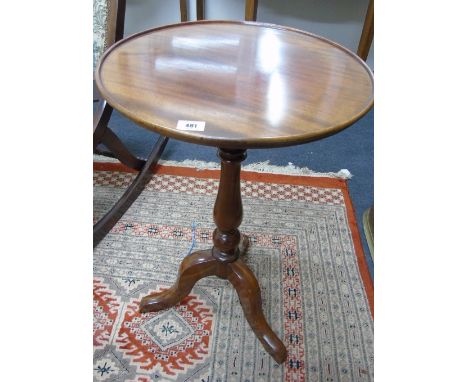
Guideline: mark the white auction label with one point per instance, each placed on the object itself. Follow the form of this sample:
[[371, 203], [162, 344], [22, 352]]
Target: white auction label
[[191, 125]]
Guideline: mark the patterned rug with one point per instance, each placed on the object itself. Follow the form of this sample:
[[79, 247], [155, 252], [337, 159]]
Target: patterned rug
[[304, 249]]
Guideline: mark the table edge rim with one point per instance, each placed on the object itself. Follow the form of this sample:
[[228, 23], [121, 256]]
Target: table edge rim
[[266, 142]]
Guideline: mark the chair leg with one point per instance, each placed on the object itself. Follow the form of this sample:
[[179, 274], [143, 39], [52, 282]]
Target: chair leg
[[101, 119], [183, 10], [119, 151], [200, 9], [251, 7], [367, 35], [105, 224], [102, 134]]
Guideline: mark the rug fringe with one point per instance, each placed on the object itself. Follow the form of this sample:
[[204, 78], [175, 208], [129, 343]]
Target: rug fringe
[[262, 167]]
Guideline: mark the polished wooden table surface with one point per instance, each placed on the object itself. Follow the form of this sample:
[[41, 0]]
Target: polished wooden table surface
[[253, 85]]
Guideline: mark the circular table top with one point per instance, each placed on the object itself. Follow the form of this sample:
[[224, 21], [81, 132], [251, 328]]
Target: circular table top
[[252, 84]]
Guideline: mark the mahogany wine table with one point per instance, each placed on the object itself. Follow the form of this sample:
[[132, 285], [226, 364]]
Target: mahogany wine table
[[235, 86]]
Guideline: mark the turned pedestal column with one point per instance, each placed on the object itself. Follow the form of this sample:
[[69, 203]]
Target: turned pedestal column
[[223, 259]]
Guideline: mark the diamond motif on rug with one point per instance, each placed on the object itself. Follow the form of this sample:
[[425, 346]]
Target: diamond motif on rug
[[168, 343], [168, 329], [105, 369], [108, 366]]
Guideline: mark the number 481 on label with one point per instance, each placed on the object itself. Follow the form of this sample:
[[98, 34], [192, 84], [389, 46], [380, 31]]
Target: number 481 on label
[[191, 125]]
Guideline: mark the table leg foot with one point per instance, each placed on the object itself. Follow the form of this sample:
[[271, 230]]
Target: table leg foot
[[248, 290], [193, 268]]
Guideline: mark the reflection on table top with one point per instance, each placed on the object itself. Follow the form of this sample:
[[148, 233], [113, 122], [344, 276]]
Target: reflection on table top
[[254, 85]]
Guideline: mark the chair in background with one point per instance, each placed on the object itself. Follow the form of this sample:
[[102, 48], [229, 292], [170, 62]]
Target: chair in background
[[367, 35], [108, 25], [250, 10]]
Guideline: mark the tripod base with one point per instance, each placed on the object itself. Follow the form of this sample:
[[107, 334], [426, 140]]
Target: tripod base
[[202, 264]]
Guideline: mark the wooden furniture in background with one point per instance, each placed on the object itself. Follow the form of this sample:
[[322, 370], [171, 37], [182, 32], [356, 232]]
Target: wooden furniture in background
[[367, 35], [254, 86], [103, 135], [250, 10]]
